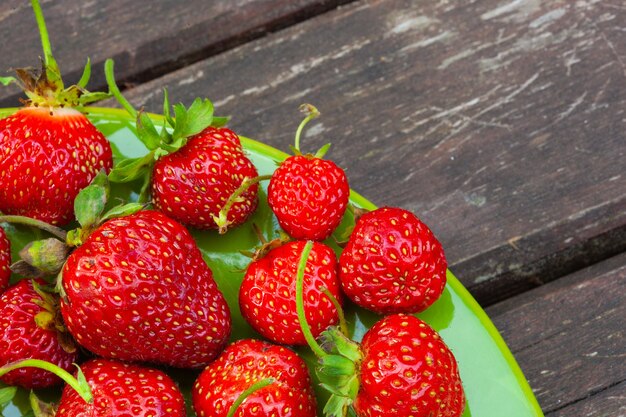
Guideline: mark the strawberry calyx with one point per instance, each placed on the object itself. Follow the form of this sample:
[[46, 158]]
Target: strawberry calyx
[[338, 356], [41, 257], [44, 87], [245, 394], [170, 137], [6, 395], [41, 408], [79, 383], [50, 317]]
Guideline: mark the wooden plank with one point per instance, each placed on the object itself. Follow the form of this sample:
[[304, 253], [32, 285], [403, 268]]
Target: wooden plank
[[568, 337], [608, 403], [500, 123], [145, 41]]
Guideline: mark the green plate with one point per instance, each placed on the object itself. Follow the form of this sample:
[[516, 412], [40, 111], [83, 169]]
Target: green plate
[[493, 382]]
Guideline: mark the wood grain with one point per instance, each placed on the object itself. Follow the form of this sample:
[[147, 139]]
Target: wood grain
[[145, 38], [608, 403], [500, 123], [568, 337]]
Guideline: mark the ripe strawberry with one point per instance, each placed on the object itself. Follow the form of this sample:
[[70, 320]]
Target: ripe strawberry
[[267, 296], [308, 195], [5, 260], [407, 370], [192, 184], [48, 149], [121, 389], [392, 263], [199, 164], [239, 367], [137, 289], [28, 330]]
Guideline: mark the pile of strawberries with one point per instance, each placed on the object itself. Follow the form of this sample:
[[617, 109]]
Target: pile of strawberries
[[123, 290]]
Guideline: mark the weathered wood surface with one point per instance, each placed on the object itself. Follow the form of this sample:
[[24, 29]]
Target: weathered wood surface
[[568, 337], [146, 38], [499, 122]]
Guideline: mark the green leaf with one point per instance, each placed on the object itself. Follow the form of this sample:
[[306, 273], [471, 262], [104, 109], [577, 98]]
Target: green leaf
[[90, 201], [322, 151], [194, 120], [181, 121], [220, 121], [122, 210], [6, 395], [47, 255], [7, 80], [40, 408], [166, 108], [89, 204], [53, 73], [171, 147], [200, 116], [147, 132], [92, 97], [84, 79], [335, 365], [131, 169], [101, 179], [82, 387]]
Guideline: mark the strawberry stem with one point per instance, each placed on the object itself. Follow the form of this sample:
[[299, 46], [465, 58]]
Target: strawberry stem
[[343, 325], [43, 31], [252, 389], [56, 231], [113, 89], [311, 112], [79, 383], [222, 218], [306, 329]]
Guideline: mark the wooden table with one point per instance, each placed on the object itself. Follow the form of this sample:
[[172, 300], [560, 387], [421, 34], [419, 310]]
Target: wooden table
[[499, 122]]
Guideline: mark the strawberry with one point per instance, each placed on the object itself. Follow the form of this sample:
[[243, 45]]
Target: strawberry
[[49, 150], [28, 329], [138, 289], [192, 184], [267, 296], [120, 389], [407, 369], [392, 263], [5, 260], [402, 367], [245, 363], [199, 164], [308, 195]]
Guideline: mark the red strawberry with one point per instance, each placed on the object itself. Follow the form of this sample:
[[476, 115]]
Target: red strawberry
[[121, 389], [192, 184], [267, 296], [27, 330], [5, 260], [244, 363], [138, 289], [198, 165], [392, 263], [407, 370], [49, 150], [308, 195], [46, 158]]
